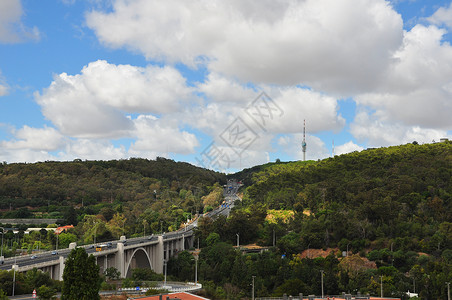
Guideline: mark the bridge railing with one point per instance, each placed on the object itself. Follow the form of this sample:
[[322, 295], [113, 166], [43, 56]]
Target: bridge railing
[[170, 286]]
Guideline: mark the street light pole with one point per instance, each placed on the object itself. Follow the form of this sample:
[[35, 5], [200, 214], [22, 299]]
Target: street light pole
[[321, 278], [252, 291], [2, 243], [14, 276], [14, 280], [448, 290], [381, 286], [196, 269], [164, 263], [238, 240], [95, 233]]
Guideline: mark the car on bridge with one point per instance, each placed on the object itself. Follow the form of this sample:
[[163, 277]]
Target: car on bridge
[[101, 247]]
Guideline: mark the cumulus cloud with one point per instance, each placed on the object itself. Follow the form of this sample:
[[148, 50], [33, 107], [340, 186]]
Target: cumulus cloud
[[223, 158], [3, 88], [347, 148], [93, 103], [369, 128], [11, 28], [282, 112], [443, 16], [45, 139], [298, 104], [32, 144], [157, 137], [218, 88], [336, 46], [92, 150], [418, 87]]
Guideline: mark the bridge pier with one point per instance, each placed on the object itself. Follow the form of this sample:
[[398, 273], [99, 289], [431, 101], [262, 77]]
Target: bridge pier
[[120, 262], [61, 270], [157, 259]]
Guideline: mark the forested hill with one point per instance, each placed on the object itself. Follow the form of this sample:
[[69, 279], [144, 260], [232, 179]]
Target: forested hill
[[387, 192], [71, 183]]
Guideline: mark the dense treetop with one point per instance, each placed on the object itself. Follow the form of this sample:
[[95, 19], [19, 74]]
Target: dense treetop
[[402, 191], [96, 181]]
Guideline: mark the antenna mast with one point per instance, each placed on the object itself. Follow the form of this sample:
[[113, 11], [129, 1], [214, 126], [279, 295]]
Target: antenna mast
[[333, 149], [303, 144]]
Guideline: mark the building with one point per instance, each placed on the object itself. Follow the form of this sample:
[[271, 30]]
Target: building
[[63, 228]]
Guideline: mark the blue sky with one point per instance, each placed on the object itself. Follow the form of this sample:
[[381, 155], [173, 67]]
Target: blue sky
[[222, 84]]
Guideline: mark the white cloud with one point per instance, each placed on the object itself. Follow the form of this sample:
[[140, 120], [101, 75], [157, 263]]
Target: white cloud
[[223, 158], [418, 88], [219, 88], [339, 46], [298, 104], [443, 16], [288, 107], [11, 28], [41, 139], [154, 136], [24, 155], [93, 104], [3, 89], [92, 150], [347, 148], [376, 132]]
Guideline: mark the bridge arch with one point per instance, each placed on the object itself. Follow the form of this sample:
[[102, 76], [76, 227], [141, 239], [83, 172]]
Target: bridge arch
[[142, 259]]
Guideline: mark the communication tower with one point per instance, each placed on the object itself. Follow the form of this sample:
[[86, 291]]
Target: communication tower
[[303, 144]]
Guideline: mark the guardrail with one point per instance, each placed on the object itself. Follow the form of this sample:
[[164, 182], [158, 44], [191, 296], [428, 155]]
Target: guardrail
[[169, 286]]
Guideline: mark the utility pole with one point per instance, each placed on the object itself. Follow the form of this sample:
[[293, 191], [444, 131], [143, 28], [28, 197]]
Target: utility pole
[[252, 291], [381, 286], [321, 278], [238, 240]]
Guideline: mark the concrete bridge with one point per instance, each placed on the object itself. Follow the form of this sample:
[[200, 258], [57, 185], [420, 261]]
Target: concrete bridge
[[124, 255]]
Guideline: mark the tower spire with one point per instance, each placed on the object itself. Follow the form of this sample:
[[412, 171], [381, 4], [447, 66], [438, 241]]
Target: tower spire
[[303, 144], [333, 149]]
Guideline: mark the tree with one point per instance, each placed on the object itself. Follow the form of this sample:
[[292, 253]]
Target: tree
[[81, 279], [3, 295], [46, 293], [112, 273]]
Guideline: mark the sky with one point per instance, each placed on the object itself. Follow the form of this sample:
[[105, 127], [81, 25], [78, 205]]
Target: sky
[[224, 85]]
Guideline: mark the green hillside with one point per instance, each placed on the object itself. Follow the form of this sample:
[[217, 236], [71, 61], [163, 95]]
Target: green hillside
[[389, 207], [92, 182], [399, 192]]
